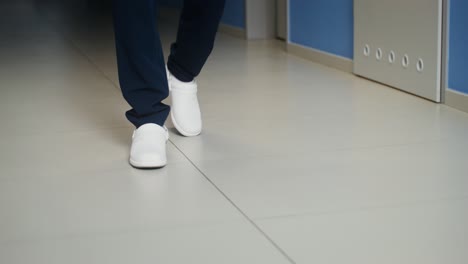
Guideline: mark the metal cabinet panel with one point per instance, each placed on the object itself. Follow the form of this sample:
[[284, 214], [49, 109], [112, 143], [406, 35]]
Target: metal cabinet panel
[[399, 43]]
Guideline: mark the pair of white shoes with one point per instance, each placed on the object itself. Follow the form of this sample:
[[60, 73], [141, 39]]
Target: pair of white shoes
[[149, 140]]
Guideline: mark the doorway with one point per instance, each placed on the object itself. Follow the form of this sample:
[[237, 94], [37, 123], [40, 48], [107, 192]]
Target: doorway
[[267, 19], [282, 19]]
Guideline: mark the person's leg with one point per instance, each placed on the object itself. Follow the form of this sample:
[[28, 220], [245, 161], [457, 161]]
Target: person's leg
[[143, 79], [142, 72], [196, 35], [197, 30]]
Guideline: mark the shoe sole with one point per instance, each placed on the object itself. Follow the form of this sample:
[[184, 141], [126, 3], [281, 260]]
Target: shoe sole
[[146, 165], [181, 131]]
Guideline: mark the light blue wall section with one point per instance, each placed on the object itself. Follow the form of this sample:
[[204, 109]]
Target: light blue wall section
[[458, 48], [326, 25], [234, 13]]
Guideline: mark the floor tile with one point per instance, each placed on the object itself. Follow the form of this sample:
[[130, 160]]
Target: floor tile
[[231, 243], [431, 233], [120, 200], [55, 89], [342, 180], [334, 168], [43, 153]]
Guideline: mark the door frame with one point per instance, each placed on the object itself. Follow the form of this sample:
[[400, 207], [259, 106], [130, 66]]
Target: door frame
[[445, 49], [261, 19]]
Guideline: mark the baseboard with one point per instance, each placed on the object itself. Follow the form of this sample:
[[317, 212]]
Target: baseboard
[[233, 31], [456, 100], [322, 57]]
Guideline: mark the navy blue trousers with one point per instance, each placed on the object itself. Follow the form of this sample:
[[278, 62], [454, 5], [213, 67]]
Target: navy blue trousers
[[140, 59]]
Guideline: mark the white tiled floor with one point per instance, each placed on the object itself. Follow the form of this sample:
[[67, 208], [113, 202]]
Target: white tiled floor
[[298, 163]]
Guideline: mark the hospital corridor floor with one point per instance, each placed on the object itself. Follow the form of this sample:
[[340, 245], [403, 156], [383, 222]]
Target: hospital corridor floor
[[297, 163]]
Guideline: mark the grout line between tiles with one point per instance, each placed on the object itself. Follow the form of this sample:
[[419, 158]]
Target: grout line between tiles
[[362, 209], [87, 57], [263, 233], [98, 69]]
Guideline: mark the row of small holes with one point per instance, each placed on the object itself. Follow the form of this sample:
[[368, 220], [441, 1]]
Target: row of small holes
[[405, 62]]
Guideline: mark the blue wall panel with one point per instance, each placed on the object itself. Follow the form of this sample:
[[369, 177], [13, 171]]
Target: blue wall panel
[[234, 13], [326, 25], [458, 48]]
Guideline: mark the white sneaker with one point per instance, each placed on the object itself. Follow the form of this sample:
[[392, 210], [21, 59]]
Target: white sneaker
[[149, 147], [185, 109]]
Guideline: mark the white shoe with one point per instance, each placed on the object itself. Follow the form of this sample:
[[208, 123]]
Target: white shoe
[[185, 109], [149, 147]]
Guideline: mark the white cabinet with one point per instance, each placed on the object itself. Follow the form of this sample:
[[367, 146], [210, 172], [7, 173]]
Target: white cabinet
[[400, 43]]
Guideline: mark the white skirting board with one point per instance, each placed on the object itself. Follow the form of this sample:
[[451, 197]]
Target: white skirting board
[[233, 31], [453, 98], [456, 100], [322, 57]]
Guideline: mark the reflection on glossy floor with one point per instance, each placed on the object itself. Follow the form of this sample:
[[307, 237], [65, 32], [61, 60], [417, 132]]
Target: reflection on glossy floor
[[298, 163]]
